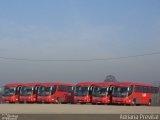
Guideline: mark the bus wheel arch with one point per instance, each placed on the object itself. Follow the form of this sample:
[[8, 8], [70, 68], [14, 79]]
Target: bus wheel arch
[[149, 102], [134, 103], [58, 101]]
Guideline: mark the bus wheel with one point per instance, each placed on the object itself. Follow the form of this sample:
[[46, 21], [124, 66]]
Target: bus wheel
[[149, 103], [64, 102], [21, 102], [134, 102], [82, 103], [40, 102], [58, 101]]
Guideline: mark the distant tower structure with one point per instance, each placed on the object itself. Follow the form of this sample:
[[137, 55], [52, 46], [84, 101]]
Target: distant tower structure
[[110, 78]]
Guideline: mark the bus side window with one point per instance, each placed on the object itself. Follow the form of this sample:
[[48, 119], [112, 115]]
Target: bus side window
[[54, 88], [64, 88], [138, 88], [157, 90], [144, 89], [149, 89], [154, 90], [70, 89]]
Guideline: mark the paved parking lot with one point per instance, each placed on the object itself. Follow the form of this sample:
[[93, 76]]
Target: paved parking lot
[[75, 109]]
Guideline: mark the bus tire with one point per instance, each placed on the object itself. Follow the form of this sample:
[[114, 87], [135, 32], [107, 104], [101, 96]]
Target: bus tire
[[58, 101], [149, 103], [94, 103], [82, 103], [64, 102], [134, 102]]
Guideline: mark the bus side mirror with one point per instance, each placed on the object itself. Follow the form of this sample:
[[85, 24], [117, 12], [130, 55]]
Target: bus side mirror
[[107, 88], [19, 88], [128, 88], [90, 88], [72, 88], [111, 88], [36, 88]]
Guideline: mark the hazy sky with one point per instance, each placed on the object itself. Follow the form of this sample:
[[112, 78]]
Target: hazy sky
[[79, 29]]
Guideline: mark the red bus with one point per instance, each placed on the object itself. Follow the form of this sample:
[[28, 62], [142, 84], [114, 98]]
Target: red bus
[[83, 92], [131, 93], [11, 93], [28, 93], [55, 93], [102, 93]]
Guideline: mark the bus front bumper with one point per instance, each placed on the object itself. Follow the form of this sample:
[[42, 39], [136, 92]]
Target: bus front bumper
[[46, 99], [100, 100], [26, 99], [125, 100], [10, 99], [83, 99]]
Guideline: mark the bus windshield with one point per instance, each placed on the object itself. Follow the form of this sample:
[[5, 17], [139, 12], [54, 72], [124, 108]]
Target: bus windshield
[[121, 91], [26, 90], [100, 91], [46, 91], [81, 90], [9, 91]]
